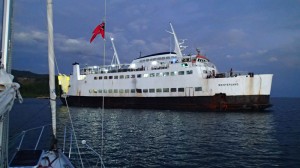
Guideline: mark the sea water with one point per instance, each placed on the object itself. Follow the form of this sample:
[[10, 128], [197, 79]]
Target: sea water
[[160, 138]]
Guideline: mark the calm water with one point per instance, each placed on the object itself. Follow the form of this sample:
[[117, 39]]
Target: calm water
[[154, 138]]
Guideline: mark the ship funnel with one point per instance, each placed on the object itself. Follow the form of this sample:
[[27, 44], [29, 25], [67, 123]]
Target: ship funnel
[[76, 70]]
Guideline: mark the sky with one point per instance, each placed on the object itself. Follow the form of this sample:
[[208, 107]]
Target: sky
[[260, 36]]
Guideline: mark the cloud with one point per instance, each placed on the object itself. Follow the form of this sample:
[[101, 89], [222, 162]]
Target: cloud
[[235, 36], [247, 54], [68, 46], [229, 56], [33, 37], [138, 42], [74, 46], [273, 59], [138, 25], [262, 51]]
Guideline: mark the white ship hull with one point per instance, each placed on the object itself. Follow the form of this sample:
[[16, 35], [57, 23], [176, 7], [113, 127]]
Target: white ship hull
[[182, 92]]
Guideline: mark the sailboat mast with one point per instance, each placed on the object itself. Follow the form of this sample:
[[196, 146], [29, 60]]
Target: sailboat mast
[[51, 65], [6, 35]]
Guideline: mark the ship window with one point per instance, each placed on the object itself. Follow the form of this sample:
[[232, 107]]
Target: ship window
[[116, 77], [110, 77], [139, 75], [126, 90], [95, 91], [109, 90], [121, 76], [198, 88], [145, 90], [168, 57], [90, 90], [166, 74], [147, 60], [121, 90], [189, 72], [158, 90], [100, 91], [173, 89], [100, 77], [132, 90], [174, 73], [180, 89], [132, 76], [181, 73], [184, 65], [151, 90], [152, 75], [165, 89], [145, 75], [95, 78], [115, 90], [126, 76], [105, 77], [138, 90], [104, 91], [159, 74]]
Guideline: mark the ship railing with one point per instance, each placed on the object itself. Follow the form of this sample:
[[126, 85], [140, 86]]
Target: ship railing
[[126, 68], [104, 69], [29, 139], [38, 138], [231, 74]]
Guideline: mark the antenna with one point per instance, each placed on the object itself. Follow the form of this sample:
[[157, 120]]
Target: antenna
[[198, 51]]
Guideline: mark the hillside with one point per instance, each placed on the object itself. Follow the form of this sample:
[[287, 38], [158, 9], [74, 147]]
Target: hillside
[[33, 85]]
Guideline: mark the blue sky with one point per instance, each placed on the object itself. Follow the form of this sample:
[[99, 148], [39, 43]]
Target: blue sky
[[262, 36]]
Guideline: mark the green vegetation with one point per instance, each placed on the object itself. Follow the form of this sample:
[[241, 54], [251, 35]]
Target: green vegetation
[[33, 85]]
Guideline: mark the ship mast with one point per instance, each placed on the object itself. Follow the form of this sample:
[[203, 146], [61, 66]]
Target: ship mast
[[115, 60], [178, 47]]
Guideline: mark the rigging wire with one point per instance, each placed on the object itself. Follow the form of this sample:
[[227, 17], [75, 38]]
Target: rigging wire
[[72, 126], [29, 122], [71, 121]]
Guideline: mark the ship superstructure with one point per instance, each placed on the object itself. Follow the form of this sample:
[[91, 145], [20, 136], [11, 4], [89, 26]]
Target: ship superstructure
[[167, 80]]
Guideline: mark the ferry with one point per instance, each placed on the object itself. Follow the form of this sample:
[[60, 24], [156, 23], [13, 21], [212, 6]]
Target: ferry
[[168, 81]]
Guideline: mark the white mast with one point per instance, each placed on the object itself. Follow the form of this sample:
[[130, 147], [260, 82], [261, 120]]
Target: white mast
[[51, 65], [115, 59], [5, 98], [177, 48], [5, 33]]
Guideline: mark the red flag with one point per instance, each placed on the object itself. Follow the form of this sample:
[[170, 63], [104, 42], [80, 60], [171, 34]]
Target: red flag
[[100, 29]]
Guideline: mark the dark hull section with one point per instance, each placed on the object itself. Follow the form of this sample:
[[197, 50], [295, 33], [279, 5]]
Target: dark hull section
[[219, 102]]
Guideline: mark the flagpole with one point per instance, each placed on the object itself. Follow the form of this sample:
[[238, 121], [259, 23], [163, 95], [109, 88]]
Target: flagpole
[[104, 54]]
